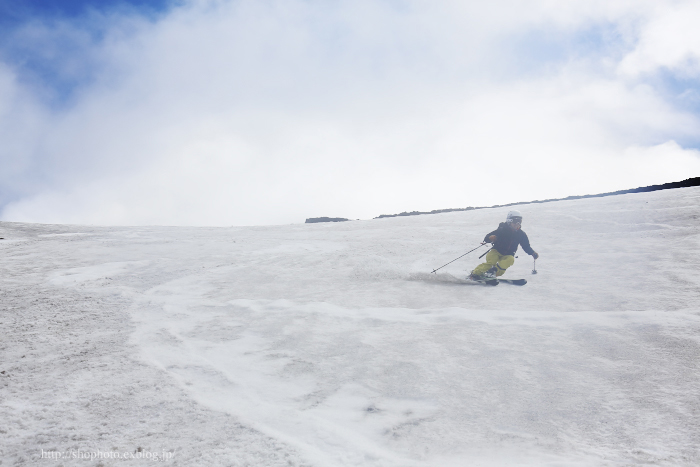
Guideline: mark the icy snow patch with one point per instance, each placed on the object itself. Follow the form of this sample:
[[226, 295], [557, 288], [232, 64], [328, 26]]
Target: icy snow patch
[[336, 346]]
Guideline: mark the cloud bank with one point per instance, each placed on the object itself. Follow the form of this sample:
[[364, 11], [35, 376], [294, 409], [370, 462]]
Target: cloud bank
[[247, 112]]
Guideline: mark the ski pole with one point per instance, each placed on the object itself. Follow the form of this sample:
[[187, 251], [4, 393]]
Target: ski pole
[[486, 253], [465, 254], [534, 268]]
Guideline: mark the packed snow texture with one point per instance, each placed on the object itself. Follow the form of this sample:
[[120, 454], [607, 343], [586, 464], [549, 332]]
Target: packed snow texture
[[333, 345]]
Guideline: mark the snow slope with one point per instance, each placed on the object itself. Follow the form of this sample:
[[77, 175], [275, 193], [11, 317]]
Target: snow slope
[[331, 344]]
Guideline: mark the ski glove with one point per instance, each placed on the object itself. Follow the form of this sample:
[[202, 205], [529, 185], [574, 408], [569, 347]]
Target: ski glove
[[535, 255], [492, 238]]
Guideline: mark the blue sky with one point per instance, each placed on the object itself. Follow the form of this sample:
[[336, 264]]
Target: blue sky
[[13, 12], [215, 112], [31, 60]]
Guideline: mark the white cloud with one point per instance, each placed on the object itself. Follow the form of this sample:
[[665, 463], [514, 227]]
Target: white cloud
[[21, 122], [670, 38], [249, 113]]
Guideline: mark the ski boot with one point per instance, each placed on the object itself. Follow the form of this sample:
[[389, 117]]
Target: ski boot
[[489, 275]]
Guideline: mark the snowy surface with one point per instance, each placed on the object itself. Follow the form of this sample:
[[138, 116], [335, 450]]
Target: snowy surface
[[331, 344]]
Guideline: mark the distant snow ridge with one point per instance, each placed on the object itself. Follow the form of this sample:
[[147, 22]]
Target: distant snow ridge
[[687, 183]]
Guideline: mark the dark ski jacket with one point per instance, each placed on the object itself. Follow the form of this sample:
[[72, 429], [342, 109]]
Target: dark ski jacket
[[507, 240]]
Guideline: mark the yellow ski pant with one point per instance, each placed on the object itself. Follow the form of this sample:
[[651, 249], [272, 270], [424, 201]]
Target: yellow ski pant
[[494, 258]]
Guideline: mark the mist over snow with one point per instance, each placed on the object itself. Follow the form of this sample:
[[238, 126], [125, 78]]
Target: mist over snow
[[206, 112], [332, 344]]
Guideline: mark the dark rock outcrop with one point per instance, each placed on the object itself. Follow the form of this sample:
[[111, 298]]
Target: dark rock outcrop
[[313, 220]]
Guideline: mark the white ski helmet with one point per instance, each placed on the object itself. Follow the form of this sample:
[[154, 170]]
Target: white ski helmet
[[514, 216]]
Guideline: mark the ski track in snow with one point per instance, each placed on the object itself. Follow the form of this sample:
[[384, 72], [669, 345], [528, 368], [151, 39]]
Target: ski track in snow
[[332, 344]]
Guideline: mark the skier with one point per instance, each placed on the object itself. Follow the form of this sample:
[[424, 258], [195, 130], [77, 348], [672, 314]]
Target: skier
[[505, 240]]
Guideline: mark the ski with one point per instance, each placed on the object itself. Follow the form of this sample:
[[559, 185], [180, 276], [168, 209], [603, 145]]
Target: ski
[[513, 281], [485, 281], [499, 280]]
